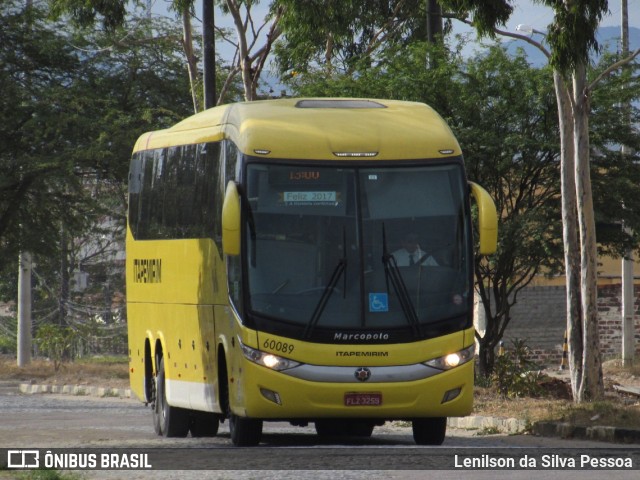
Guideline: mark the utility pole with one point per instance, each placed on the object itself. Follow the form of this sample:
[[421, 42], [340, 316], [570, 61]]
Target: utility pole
[[208, 53], [24, 309], [628, 297], [434, 29], [434, 21], [24, 295]]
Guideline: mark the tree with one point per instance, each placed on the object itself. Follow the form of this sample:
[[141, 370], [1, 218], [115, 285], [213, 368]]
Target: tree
[[501, 110], [571, 37], [75, 103], [336, 35], [503, 119], [39, 184], [251, 54], [250, 57]]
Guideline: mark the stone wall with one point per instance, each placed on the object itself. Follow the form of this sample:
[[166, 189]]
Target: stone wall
[[539, 318]]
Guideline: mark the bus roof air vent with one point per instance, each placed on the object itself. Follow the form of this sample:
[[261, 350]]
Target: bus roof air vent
[[332, 103]]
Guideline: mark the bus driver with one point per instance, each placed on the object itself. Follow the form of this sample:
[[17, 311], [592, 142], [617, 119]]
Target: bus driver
[[411, 254]]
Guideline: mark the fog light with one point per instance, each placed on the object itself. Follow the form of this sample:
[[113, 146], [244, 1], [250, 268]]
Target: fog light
[[271, 395], [451, 394]]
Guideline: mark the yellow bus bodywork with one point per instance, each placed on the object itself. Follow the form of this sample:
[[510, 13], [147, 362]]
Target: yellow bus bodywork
[[177, 295]]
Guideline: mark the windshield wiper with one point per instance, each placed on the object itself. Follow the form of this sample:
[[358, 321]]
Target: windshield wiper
[[329, 288], [392, 272]]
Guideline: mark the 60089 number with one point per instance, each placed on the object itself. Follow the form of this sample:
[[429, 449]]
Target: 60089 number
[[278, 346]]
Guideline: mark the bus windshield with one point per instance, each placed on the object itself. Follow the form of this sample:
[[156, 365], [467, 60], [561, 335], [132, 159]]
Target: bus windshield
[[338, 252]]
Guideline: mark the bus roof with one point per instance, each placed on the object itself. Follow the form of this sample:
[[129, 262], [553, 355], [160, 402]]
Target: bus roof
[[318, 129]]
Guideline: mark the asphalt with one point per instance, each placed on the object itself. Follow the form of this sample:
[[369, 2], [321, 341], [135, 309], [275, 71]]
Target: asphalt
[[473, 422]]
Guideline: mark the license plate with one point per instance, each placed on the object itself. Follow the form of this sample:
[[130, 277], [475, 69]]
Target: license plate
[[353, 399]]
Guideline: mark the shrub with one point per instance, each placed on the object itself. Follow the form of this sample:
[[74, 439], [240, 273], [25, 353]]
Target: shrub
[[514, 375], [56, 342]]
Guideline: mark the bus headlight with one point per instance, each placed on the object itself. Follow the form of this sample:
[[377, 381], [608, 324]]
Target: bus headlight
[[265, 359], [452, 360]]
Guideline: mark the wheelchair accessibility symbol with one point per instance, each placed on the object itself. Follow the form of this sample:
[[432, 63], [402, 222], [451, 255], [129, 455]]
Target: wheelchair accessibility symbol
[[378, 302]]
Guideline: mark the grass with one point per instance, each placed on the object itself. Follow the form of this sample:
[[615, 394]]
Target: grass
[[108, 371], [40, 475], [555, 403]]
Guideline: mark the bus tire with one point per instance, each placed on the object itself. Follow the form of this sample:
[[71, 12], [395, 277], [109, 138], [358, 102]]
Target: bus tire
[[429, 431], [204, 424], [171, 421], [154, 406], [245, 432]]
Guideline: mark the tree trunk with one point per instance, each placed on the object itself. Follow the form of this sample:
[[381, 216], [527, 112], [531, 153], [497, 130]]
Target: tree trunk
[[187, 45], [208, 54], [486, 359], [570, 233], [328, 55], [591, 385], [64, 277]]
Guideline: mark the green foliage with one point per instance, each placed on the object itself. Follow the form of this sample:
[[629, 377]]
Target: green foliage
[[45, 474], [7, 344], [111, 13], [56, 342], [514, 375], [37, 129], [337, 35], [73, 104], [615, 176], [572, 34], [486, 14], [8, 329]]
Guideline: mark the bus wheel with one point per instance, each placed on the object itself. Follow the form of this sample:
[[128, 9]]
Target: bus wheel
[[204, 424], [245, 432], [154, 406], [429, 431], [172, 421]]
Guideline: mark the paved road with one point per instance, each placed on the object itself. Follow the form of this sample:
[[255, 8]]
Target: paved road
[[53, 421]]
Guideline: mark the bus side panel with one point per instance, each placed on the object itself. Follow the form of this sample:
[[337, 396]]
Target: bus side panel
[[202, 392], [230, 332], [171, 288], [138, 363], [175, 272], [186, 333]]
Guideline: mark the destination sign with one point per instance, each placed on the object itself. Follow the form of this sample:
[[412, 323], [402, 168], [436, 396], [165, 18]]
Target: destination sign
[[311, 198]]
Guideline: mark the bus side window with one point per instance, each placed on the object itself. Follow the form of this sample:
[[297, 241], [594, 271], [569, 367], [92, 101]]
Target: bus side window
[[232, 162]]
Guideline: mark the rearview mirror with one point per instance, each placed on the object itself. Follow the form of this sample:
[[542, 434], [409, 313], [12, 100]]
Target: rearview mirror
[[487, 219], [231, 220]]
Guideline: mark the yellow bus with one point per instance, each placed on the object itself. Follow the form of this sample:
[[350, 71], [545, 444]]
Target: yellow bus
[[304, 260]]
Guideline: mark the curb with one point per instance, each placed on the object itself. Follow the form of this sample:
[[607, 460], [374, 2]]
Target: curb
[[600, 433], [547, 429], [503, 425], [79, 390]]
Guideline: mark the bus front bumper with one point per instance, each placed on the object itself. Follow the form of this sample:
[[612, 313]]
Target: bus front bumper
[[267, 394]]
